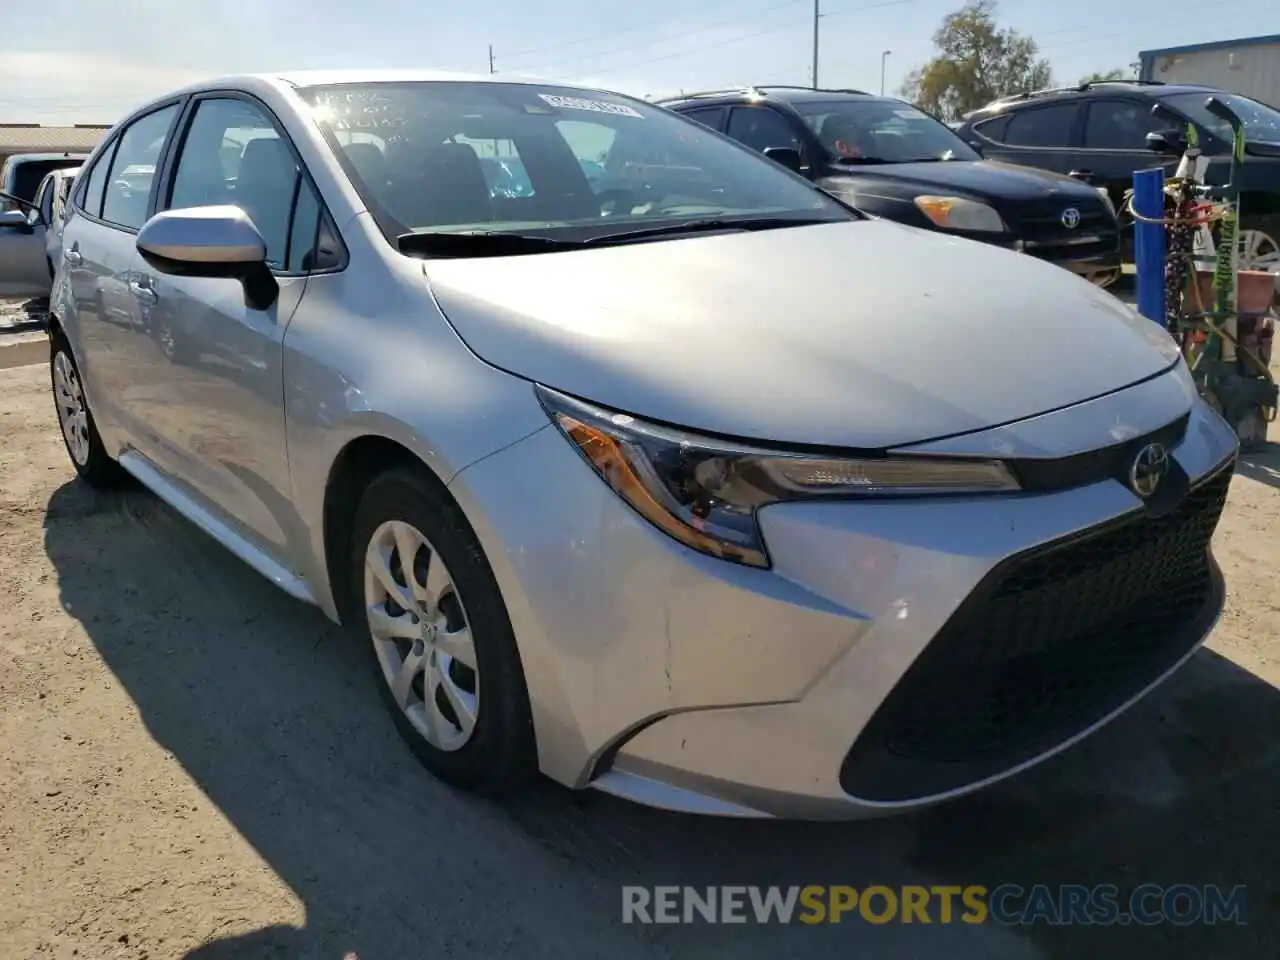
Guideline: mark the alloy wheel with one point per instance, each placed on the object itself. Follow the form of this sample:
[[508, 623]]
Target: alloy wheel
[[421, 635], [1259, 251], [73, 416]]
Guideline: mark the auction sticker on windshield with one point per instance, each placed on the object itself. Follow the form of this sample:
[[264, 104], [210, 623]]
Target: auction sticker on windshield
[[594, 106]]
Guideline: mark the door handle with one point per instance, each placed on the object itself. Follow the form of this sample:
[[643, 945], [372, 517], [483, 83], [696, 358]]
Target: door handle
[[73, 258], [144, 293]]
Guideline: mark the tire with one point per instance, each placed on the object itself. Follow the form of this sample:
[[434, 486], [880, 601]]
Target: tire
[[406, 510], [79, 431], [1269, 226]]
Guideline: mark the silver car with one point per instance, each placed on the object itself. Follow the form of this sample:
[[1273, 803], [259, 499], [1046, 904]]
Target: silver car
[[686, 483]]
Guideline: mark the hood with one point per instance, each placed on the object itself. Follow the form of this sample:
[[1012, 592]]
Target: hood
[[855, 334], [986, 177]]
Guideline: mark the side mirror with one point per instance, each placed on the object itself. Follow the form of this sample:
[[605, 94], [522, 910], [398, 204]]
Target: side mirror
[[15, 220], [216, 241], [787, 157], [1167, 142]]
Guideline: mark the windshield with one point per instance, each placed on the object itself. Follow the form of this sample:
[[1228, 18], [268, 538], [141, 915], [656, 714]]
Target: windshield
[[556, 162], [1260, 121], [888, 131]]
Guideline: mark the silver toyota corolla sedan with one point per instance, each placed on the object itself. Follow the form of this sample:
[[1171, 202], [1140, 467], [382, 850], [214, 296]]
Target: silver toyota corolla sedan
[[682, 481]]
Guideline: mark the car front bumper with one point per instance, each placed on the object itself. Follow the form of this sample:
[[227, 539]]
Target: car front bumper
[[1086, 256], [897, 653]]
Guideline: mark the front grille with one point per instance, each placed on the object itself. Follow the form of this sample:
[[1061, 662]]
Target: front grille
[[1049, 644], [1039, 226], [1102, 463], [1044, 219]]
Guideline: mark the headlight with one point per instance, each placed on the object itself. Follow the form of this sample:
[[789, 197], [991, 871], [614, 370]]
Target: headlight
[[705, 492], [956, 213]]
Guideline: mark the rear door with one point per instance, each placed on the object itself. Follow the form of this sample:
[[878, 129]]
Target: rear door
[[96, 300], [1043, 136]]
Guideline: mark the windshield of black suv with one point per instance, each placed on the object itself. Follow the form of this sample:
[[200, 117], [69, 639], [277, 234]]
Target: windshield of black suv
[[560, 163], [1260, 121], [885, 131]]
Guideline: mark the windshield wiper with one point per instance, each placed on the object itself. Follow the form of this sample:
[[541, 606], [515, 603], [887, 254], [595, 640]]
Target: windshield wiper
[[489, 244], [864, 161], [498, 244], [708, 225]]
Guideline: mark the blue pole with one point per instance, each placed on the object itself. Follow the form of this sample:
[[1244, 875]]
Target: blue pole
[[1148, 242]]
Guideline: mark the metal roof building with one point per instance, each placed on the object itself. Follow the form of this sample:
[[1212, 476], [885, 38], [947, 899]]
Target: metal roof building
[[1249, 66], [33, 138]]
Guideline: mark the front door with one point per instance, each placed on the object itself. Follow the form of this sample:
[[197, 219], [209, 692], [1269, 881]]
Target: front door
[[24, 267], [217, 407], [763, 127], [1115, 144]]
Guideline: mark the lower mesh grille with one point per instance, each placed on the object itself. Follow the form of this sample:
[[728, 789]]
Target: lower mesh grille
[[1051, 643]]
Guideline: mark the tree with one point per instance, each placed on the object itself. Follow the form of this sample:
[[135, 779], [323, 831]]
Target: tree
[[1119, 73], [977, 62]]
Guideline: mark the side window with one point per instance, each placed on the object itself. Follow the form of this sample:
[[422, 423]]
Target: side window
[[590, 143], [993, 129], [712, 117], [302, 234], [1042, 126], [233, 154], [133, 168], [1118, 125], [760, 128], [96, 183]]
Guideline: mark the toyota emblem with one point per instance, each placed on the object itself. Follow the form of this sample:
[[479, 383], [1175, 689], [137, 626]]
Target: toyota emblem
[[1148, 467], [1071, 218]]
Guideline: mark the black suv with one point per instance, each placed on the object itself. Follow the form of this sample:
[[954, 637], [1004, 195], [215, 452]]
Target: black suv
[[1102, 132], [892, 160]]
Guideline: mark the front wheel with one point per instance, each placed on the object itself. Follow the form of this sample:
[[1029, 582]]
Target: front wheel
[[442, 641]]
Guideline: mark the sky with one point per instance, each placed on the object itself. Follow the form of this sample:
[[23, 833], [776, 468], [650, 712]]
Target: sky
[[91, 61]]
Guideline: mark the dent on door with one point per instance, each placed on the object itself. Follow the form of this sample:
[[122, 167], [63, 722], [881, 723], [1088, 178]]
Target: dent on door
[[217, 412]]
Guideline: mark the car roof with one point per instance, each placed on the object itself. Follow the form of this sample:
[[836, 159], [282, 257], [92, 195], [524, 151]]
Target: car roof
[[792, 95], [1146, 88], [17, 158], [318, 78]]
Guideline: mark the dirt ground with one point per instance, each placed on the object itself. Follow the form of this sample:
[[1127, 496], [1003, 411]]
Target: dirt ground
[[194, 765]]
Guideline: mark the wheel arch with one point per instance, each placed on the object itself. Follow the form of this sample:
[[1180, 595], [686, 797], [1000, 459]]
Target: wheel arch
[[358, 462]]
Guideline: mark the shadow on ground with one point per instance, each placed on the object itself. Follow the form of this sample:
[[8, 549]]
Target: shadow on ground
[[1262, 464], [273, 712]]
